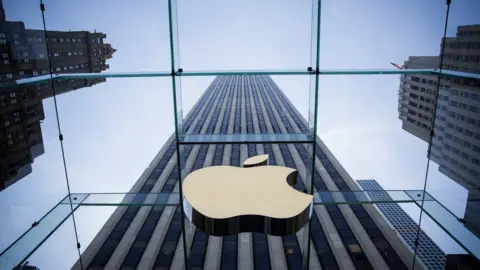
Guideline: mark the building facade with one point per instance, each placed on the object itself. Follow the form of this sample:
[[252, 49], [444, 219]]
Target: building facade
[[343, 236], [456, 140], [430, 255], [25, 53]]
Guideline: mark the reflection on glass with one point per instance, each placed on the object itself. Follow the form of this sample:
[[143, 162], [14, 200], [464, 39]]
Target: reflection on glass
[[456, 134], [27, 53]]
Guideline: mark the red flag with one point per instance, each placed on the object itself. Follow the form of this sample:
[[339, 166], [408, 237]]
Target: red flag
[[396, 65]]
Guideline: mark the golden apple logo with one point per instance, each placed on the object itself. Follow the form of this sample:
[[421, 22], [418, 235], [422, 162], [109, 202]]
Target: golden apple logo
[[224, 200]]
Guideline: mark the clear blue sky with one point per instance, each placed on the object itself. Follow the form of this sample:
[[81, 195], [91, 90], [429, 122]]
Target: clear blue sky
[[113, 130]]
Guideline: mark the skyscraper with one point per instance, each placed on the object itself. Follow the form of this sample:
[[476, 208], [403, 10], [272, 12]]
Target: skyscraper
[[456, 140], [431, 256], [26, 53], [343, 236]]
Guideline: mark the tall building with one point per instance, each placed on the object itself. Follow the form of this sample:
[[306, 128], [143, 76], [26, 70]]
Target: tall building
[[456, 141], [25, 53], [343, 236], [430, 255]]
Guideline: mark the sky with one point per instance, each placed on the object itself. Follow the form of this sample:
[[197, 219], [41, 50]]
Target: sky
[[112, 130]]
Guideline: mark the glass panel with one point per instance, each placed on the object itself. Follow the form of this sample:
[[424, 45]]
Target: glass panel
[[362, 197], [237, 93], [107, 124], [304, 71], [454, 170], [252, 248], [90, 223], [83, 36], [21, 249], [361, 137], [104, 199], [276, 37], [367, 43], [453, 226], [42, 257], [32, 178], [246, 138], [173, 34], [178, 106], [374, 71]]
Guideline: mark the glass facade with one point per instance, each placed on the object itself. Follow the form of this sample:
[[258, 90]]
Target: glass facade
[[260, 103], [79, 122], [429, 253]]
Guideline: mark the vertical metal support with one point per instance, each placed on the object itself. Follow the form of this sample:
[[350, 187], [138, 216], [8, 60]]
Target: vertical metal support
[[312, 117], [178, 115], [430, 141]]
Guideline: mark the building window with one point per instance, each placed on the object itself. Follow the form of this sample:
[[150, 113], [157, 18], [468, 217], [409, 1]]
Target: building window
[[41, 55], [3, 41], [35, 73], [9, 76], [65, 68], [2, 35], [61, 39], [21, 73], [69, 53], [57, 69], [16, 42], [26, 60], [67, 40], [15, 35], [55, 54], [73, 40], [74, 53], [54, 39], [76, 66], [70, 67], [39, 39]]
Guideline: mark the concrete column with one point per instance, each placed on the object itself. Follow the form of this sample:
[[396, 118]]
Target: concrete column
[[275, 245], [153, 247], [222, 111], [214, 248], [245, 250], [251, 88], [203, 108]]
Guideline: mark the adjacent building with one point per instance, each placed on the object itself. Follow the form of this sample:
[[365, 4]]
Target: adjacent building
[[343, 236], [456, 140], [430, 255], [25, 53]]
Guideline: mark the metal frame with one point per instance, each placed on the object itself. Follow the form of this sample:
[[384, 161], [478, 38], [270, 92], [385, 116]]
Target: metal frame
[[19, 251], [445, 219]]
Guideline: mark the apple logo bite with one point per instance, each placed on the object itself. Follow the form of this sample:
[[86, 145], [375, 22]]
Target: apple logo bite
[[224, 200]]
